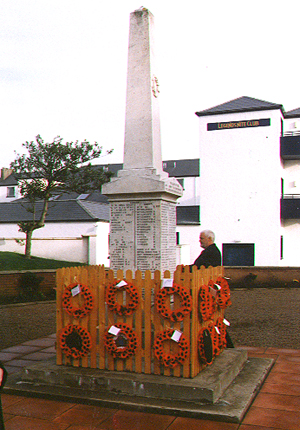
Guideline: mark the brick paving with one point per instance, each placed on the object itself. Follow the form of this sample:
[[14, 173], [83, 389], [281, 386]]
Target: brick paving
[[277, 405]]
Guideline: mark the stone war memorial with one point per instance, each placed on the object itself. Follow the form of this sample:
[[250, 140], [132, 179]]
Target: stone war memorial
[[146, 334], [142, 197]]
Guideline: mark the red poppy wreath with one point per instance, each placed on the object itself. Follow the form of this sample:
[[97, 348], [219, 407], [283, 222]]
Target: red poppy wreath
[[112, 303], [167, 312], [77, 312]]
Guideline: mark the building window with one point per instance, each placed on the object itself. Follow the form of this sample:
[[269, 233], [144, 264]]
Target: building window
[[11, 192], [181, 181], [281, 247], [238, 254], [187, 215], [177, 238]]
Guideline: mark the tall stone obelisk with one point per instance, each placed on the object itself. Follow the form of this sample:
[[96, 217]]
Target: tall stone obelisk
[[142, 197]]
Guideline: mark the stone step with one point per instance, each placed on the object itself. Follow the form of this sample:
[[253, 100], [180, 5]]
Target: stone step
[[206, 387]]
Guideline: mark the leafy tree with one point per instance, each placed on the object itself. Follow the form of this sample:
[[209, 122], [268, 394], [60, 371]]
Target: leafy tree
[[50, 168]]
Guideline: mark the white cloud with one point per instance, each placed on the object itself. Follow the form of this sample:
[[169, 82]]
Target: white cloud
[[63, 66]]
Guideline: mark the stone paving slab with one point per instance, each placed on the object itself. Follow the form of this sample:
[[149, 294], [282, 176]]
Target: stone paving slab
[[230, 407]]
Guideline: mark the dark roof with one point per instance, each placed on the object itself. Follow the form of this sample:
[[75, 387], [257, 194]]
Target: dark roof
[[295, 113], [9, 181], [94, 196], [59, 211], [175, 168], [97, 211], [241, 104]]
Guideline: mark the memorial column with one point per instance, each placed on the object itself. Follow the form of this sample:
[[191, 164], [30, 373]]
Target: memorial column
[[142, 197]]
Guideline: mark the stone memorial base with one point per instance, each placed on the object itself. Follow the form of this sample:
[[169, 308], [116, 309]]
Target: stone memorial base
[[223, 391]]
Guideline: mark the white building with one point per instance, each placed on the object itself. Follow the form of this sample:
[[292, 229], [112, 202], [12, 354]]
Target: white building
[[76, 228], [9, 190], [290, 189], [246, 169]]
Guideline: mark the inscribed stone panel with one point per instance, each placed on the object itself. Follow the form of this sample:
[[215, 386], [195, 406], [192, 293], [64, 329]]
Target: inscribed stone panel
[[122, 235]]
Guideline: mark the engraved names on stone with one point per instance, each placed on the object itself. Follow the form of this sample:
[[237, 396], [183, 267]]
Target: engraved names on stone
[[154, 225], [122, 240]]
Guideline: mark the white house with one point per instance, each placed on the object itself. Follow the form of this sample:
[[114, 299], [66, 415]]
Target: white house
[[9, 190], [76, 229]]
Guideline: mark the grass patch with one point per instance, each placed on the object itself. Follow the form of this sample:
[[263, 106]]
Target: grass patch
[[13, 261]]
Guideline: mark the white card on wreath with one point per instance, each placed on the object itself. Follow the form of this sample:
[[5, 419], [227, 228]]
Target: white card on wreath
[[75, 291], [121, 284], [176, 335], [114, 330], [166, 283]]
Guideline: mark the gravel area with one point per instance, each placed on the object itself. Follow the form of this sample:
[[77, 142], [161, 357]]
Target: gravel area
[[265, 317], [22, 322], [259, 317]]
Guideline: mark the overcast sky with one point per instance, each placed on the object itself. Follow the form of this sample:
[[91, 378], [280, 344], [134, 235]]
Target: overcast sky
[[63, 66]]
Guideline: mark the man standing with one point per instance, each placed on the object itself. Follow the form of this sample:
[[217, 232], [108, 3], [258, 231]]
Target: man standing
[[211, 255]]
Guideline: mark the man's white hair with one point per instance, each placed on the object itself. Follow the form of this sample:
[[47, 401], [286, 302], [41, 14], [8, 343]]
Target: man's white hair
[[210, 234]]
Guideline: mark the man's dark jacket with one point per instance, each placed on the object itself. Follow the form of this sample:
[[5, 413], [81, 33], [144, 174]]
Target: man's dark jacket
[[210, 256]]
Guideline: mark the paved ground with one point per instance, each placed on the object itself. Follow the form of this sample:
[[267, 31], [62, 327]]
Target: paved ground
[[277, 405], [19, 323], [263, 321]]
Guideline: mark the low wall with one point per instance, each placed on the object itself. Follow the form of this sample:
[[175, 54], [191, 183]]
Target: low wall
[[9, 281], [257, 276], [263, 276]]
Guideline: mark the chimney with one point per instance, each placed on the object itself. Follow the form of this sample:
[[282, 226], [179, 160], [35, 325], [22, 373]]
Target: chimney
[[5, 172]]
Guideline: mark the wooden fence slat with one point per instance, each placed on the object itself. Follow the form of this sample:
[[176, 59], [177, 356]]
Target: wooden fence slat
[[166, 325], [59, 313], [129, 320], [110, 322], [177, 325], [139, 322], [101, 316], [120, 364], [187, 321], [93, 286], [156, 320], [84, 322], [68, 318], [194, 331], [147, 321]]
